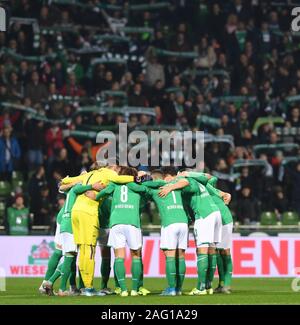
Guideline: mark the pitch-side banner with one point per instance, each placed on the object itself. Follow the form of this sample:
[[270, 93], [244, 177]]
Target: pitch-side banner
[[252, 257]]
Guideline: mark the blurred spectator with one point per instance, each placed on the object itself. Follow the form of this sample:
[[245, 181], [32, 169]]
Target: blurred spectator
[[247, 209], [54, 140], [44, 208], [72, 88], [10, 153], [294, 120], [61, 163], [154, 72], [15, 87], [35, 143], [207, 56], [137, 98], [35, 90], [280, 203], [18, 218], [8, 118]]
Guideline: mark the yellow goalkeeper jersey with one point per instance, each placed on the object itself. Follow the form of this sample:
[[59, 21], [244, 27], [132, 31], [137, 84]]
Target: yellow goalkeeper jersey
[[102, 175]]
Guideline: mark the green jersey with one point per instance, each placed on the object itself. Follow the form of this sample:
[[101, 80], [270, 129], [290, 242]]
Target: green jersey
[[215, 194], [199, 199], [18, 221], [125, 206], [60, 214], [170, 208], [104, 212], [66, 221]]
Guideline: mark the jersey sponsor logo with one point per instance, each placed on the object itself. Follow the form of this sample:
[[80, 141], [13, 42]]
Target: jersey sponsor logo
[[204, 194], [41, 253], [124, 206], [174, 206]]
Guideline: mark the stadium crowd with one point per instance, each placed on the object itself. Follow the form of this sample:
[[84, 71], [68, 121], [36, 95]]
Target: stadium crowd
[[231, 69]]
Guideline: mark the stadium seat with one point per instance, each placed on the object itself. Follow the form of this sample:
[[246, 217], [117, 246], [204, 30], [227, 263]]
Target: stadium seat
[[145, 219], [17, 180], [268, 218], [290, 218], [17, 183], [5, 189], [17, 176], [156, 218], [2, 211]]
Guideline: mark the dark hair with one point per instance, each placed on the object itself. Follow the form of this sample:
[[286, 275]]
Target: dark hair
[[124, 170], [170, 170], [156, 171]]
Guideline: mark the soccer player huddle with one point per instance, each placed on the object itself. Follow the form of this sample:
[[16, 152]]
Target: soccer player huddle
[[104, 206]]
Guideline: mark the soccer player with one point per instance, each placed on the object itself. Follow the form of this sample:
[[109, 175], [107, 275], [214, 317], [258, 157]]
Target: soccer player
[[69, 247], [207, 227], [85, 221], [104, 215], [224, 260], [216, 256], [125, 228], [57, 254], [174, 231]]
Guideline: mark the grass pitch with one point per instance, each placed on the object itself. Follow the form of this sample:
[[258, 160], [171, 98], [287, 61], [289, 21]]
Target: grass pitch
[[245, 291]]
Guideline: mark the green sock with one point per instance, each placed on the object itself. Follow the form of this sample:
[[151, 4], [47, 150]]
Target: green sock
[[181, 269], [136, 271], [212, 265], [115, 278], [56, 274], [141, 282], [105, 272], [171, 271], [73, 272], [120, 273], [66, 272], [52, 264], [221, 271], [228, 270], [81, 284], [202, 266]]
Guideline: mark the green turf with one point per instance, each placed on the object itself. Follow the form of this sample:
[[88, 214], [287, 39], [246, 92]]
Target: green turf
[[246, 291]]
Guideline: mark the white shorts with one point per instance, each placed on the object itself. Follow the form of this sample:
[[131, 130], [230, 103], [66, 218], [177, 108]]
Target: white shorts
[[103, 237], [120, 235], [68, 243], [209, 229], [58, 238], [226, 236], [174, 236]]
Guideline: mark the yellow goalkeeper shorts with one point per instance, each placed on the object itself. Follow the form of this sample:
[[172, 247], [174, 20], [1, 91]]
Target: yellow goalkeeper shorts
[[85, 228]]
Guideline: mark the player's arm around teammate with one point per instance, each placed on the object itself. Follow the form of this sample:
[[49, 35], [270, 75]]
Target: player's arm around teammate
[[223, 252], [125, 229], [174, 233]]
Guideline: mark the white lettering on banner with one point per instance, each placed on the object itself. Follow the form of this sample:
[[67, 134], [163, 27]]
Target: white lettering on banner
[[252, 257]]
